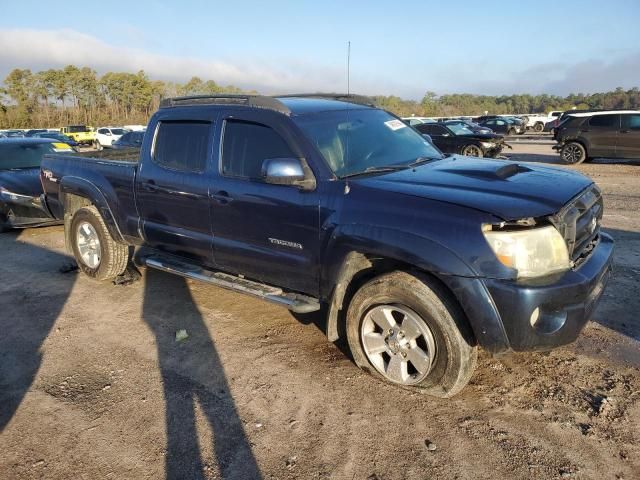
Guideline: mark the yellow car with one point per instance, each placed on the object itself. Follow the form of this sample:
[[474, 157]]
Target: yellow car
[[83, 134]]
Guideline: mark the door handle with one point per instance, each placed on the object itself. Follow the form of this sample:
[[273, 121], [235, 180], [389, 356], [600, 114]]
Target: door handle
[[222, 197], [625, 131], [150, 186]]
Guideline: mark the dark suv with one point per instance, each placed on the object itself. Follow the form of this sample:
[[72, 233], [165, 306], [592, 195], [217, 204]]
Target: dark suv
[[612, 134], [326, 202]]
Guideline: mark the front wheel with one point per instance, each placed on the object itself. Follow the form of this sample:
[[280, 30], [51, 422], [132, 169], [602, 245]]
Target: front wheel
[[97, 145], [98, 255], [511, 131], [573, 153], [406, 329], [472, 151], [538, 127]]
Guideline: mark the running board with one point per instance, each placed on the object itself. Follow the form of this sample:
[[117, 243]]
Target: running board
[[293, 301]]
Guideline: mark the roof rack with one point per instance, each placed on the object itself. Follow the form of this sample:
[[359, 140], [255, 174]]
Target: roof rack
[[343, 97], [258, 101]]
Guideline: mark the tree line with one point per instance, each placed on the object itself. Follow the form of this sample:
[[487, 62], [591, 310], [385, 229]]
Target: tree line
[[78, 95], [72, 95]]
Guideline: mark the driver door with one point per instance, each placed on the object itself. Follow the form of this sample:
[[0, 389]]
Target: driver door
[[263, 231]]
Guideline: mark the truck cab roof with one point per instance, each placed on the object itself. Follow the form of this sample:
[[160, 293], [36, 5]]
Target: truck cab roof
[[290, 105]]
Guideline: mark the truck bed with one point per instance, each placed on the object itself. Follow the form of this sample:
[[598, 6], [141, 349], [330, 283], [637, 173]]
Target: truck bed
[[123, 155], [107, 177]]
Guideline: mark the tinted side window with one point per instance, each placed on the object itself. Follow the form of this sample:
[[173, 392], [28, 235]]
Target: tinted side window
[[425, 128], [632, 122], [438, 130], [182, 145], [246, 145], [605, 121]]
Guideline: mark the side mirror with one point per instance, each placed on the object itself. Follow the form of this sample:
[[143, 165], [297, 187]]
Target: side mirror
[[427, 137], [108, 134], [288, 171]]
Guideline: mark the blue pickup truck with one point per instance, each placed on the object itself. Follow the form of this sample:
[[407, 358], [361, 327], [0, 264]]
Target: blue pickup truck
[[325, 202]]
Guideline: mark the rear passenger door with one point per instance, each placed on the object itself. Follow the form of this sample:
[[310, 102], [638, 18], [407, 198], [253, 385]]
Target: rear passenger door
[[172, 186], [629, 139], [262, 231], [601, 133]]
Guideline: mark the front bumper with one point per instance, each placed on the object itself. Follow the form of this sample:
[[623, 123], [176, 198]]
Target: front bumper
[[500, 311], [564, 306]]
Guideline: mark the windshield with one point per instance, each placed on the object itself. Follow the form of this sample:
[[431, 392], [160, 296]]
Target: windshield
[[78, 129], [460, 129], [353, 141], [23, 156]]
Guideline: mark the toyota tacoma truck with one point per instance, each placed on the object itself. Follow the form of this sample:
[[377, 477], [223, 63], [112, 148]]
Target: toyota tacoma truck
[[327, 203]]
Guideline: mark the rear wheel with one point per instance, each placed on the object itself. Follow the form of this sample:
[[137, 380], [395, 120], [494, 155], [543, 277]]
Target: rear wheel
[[573, 153], [472, 150], [98, 255], [538, 127], [406, 329], [511, 131]]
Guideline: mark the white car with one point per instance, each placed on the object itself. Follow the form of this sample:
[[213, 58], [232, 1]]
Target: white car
[[105, 136], [417, 120]]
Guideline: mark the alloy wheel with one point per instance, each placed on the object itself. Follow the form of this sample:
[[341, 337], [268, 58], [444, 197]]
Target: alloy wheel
[[398, 343], [88, 243]]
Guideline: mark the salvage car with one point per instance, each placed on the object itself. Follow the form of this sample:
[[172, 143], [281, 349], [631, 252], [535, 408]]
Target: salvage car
[[456, 138], [313, 201], [507, 126], [57, 136], [610, 134], [129, 140], [474, 127], [105, 136], [83, 134], [20, 188]]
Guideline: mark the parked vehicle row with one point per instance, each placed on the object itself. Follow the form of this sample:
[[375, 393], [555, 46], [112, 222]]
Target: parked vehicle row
[[310, 201]]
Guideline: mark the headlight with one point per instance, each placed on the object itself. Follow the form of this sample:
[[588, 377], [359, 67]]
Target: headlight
[[532, 253], [487, 144], [7, 195]]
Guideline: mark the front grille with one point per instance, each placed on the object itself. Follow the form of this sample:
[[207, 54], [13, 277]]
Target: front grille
[[579, 223]]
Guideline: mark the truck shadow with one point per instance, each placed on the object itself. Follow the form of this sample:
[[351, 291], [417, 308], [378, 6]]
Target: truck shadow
[[25, 323], [193, 376]]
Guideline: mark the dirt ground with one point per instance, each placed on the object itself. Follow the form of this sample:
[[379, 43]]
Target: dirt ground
[[94, 385]]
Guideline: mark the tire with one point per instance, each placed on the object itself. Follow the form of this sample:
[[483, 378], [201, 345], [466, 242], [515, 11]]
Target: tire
[[472, 150], [97, 145], [573, 153], [417, 303], [538, 127], [101, 260], [511, 131]]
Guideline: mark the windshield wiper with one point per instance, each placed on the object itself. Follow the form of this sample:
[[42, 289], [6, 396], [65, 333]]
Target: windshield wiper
[[420, 161], [370, 170]]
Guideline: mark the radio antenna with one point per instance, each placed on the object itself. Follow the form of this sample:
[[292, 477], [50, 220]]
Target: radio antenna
[[348, 66]]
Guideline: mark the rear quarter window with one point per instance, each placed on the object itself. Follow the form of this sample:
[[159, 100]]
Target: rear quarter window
[[605, 121]]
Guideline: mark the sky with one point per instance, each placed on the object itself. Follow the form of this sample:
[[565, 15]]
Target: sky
[[402, 48]]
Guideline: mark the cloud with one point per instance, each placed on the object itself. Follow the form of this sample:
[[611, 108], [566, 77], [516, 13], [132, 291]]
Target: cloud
[[556, 78], [42, 49]]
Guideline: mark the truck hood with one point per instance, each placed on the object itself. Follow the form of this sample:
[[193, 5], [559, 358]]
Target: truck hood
[[508, 190], [23, 181]]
